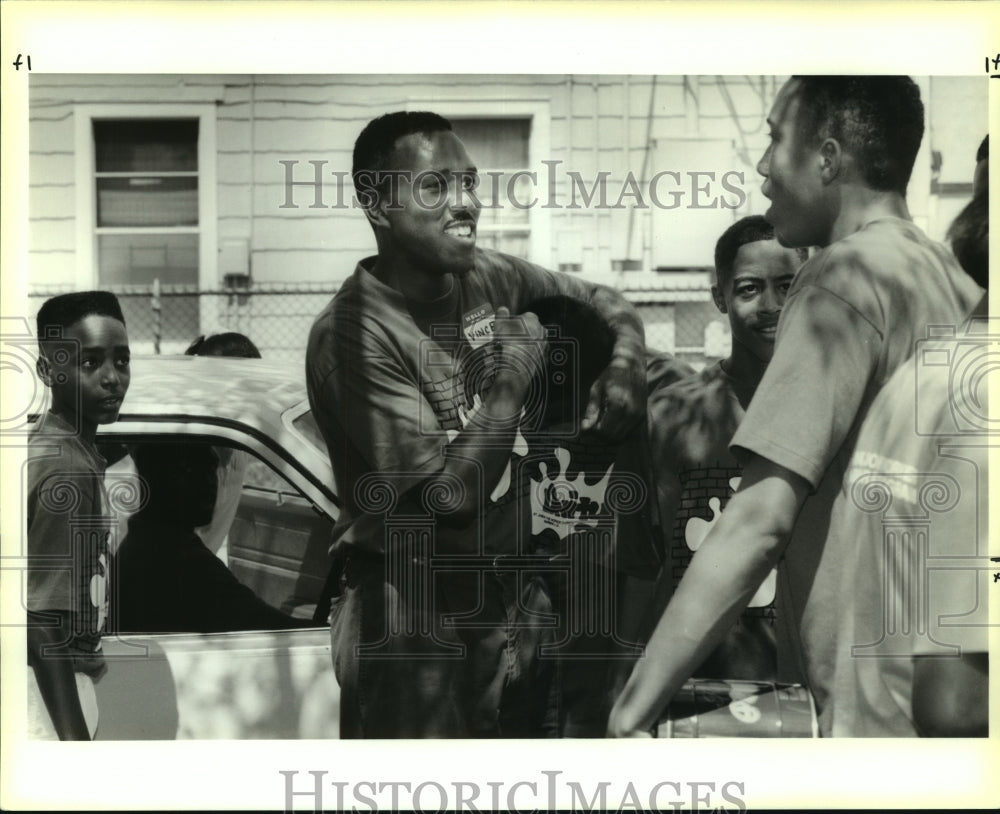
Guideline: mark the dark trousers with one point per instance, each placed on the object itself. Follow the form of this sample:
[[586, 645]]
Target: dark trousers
[[421, 651]]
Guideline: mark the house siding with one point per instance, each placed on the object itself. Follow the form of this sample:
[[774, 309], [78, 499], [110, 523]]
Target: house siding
[[596, 124]]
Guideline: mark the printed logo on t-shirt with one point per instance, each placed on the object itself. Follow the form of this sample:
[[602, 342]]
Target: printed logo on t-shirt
[[697, 530], [564, 504], [477, 325], [899, 476], [99, 593]]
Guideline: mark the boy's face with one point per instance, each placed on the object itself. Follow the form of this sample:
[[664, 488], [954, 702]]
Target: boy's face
[[88, 371], [432, 215], [792, 180], [754, 294]]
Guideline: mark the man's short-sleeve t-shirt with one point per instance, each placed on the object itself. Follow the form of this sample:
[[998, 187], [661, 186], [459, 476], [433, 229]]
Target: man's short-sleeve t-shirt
[[913, 518], [391, 381], [691, 424], [852, 317]]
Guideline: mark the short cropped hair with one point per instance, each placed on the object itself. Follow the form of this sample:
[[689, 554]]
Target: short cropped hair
[[589, 342], [377, 141], [229, 343], [879, 120], [59, 313], [746, 230]]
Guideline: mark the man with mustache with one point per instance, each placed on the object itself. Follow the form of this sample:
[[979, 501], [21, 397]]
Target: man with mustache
[[692, 422], [836, 171], [419, 377]]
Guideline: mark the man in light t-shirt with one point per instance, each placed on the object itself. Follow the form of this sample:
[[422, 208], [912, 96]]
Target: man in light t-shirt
[[841, 153], [912, 653]]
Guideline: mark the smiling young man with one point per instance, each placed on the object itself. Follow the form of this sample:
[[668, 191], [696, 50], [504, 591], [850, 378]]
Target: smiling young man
[[836, 171], [692, 422], [418, 375]]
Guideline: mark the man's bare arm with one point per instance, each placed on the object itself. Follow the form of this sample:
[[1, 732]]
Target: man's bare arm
[[618, 398], [477, 456], [729, 566]]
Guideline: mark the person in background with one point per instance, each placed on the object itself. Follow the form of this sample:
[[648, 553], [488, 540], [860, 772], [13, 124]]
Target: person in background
[[692, 422], [233, 463], [911, 663], [84, 360], [841, 152], [563, 483], [981, 174], [168, 581]]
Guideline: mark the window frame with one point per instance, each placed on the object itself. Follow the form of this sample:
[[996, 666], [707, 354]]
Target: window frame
[[86, 186]]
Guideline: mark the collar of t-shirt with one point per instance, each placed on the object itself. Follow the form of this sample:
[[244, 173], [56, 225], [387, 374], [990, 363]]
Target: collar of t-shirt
[[57, 429], [443, 306]]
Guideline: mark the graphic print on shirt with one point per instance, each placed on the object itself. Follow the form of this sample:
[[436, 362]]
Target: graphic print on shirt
[[563, 504], [456, 367], [559, 502], [713, 485], [99, 592]]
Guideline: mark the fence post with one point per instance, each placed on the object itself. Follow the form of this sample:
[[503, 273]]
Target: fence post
[[156, 307]]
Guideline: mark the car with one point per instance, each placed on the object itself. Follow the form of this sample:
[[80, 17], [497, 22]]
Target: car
[[233, 684]]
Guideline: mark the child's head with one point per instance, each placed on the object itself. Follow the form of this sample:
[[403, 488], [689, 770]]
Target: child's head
[[230, 343], [84, 357]]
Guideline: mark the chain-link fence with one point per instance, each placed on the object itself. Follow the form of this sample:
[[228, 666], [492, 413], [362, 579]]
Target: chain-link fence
[[165, 319]]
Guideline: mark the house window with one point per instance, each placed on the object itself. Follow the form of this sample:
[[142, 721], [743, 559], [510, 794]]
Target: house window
[[500, 150], [147, 219], [146, 215]]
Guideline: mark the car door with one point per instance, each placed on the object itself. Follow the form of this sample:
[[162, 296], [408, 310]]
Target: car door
[[239, 684]]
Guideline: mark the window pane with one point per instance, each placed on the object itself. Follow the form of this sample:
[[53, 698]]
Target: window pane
[[306, 424], [275, 545], [147, 201], [146, 145], [140, 259], [495, 143]]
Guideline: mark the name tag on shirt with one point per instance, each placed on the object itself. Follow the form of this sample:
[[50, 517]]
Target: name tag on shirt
[[477, 325]]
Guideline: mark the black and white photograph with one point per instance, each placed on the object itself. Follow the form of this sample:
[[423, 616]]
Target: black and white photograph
[[386, 431]]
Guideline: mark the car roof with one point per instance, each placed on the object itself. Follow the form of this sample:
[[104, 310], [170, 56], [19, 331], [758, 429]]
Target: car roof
[[260, 398], [252, 390]]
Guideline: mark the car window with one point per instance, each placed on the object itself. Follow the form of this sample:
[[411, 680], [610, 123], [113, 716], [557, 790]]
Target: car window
[[259, 562], [306, 426]]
